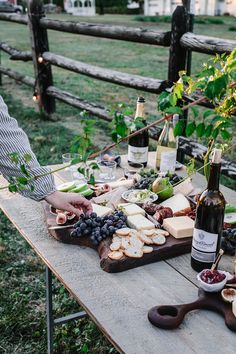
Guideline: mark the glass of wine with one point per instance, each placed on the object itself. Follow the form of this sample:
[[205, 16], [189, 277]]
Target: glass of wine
[[130, 172]]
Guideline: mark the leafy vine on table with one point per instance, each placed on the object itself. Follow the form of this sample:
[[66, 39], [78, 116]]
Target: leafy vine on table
[[215, 84]]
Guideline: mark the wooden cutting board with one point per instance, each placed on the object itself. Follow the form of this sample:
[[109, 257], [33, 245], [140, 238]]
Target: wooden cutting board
[[171, 248], [171, 316]]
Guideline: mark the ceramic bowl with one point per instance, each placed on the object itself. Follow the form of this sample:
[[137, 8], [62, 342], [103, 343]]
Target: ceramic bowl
[[212, 288]]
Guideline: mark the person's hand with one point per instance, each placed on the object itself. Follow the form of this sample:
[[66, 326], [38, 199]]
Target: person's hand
[[72, 202]]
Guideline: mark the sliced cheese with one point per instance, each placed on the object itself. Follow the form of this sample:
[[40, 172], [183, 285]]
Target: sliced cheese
[[176, 203], [139, 222], [179, 227], [131, 209], [101, 210]]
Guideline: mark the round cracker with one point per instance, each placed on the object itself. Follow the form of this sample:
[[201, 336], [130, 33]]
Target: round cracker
[[148, 232], [116, 239], [147, 240], [136, 242], [123, 232], [116, 255], [125, 243], [114, 246], [161, 232], [159, 240], [133, 252], [147, 249]]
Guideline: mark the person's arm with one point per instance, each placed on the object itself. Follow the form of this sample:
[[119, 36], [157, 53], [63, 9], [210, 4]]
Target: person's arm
[[13, 139]]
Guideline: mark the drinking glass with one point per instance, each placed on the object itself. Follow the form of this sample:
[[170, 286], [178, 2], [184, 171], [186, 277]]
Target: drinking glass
[[130, 172], [74, 174], [107, 170]]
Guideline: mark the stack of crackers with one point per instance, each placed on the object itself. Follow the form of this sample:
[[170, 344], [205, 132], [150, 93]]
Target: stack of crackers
[[133, 243]]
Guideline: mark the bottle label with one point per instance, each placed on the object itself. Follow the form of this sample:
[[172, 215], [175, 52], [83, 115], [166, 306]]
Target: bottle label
[[204, 246], [168, 161], [137, 154]]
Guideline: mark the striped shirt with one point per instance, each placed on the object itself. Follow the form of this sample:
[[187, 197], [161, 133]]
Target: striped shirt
[[13, 139]]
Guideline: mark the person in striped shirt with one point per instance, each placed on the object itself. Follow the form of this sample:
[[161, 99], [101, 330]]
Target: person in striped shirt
[[14, 140]]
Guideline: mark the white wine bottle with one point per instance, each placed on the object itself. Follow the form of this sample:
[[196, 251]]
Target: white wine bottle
[[209, 219], [138, 144], [167, 147]]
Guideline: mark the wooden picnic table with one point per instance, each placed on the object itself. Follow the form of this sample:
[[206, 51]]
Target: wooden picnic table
[[119, 303]]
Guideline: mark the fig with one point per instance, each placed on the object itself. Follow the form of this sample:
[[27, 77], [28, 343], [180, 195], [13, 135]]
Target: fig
[[61, 219]]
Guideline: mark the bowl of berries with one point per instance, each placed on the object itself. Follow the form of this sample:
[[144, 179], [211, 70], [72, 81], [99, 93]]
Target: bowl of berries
[[212, 280]]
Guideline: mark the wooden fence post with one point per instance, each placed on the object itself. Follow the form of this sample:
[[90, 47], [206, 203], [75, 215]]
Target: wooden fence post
[[39, 45], [178, 55]]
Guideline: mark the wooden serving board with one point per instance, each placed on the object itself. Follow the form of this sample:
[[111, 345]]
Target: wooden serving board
[[171, 316], [171, 248]]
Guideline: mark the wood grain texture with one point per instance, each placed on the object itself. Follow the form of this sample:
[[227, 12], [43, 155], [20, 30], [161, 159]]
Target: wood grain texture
[[140, 35], [207, 44], [134, 81], [119, 302]]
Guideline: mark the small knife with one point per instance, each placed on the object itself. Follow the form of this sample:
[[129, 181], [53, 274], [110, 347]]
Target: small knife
[[155, 222], [61, 227]]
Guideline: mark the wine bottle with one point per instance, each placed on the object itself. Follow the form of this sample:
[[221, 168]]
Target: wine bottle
[[167, 147], [138, 144], [209, 219]]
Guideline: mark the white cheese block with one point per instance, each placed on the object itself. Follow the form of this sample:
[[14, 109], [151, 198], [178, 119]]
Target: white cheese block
[[179, 227], [101, 210], [176, 203], [139, 222], [131, 209]]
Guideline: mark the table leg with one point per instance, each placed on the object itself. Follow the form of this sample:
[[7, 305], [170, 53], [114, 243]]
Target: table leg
[[49, 310], [51, 322]]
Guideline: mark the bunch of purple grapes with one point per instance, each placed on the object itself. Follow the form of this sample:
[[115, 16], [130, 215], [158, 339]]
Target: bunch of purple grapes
[[99, 228], [228, 242]]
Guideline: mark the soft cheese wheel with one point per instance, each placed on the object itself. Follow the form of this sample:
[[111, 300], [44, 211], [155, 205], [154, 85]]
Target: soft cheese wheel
[[179, 227], [177, 203]]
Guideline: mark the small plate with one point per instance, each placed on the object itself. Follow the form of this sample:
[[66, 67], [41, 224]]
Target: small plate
[[127, 197]]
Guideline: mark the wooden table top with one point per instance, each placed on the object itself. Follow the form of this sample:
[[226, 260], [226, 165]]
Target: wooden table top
[[118, 303]]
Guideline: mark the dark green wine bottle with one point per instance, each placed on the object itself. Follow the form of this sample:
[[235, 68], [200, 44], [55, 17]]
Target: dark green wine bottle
[[209, 219]]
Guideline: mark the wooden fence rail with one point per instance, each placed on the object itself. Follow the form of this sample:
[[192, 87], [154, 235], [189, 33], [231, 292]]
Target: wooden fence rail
[[180, 40]]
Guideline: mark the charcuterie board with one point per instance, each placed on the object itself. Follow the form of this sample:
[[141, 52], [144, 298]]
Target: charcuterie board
[[173, 247], [171, 316]]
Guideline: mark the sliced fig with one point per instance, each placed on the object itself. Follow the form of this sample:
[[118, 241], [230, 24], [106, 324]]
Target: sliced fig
[[61, 219]]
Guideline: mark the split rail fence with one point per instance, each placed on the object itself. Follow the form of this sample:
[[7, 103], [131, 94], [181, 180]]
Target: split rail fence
[[180, 40]]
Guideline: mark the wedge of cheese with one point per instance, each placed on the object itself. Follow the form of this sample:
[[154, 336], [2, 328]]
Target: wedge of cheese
[[177, 203], [101, 210], [131, 209], [179, 227], [121, 183], [139, 222]]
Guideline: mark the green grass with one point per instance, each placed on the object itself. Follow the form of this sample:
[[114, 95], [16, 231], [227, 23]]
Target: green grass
[[22, 293]]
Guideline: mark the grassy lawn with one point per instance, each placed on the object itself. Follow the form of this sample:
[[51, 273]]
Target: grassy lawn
[[22, 293]]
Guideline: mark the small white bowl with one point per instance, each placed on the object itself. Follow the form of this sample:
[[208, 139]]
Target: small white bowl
[[213, 288]]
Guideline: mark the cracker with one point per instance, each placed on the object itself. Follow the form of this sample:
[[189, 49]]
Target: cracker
[[123, 232], [125, 243], [161, 232], [114, 246], [147, 249], [159, 240], [136, 242], [116, 255], [133, 252], [145, 239], [148, 232]]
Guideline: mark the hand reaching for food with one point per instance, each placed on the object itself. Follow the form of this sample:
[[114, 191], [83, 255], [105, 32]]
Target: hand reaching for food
[[71, 202]]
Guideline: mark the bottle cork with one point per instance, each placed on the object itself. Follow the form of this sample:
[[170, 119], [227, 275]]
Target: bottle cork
[[216, 157]]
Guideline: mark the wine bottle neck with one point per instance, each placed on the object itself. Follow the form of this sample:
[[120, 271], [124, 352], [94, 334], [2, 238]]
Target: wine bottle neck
[[214, 178], [140, 111]]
